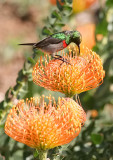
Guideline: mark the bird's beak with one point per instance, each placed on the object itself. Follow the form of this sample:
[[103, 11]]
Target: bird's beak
[[79, 48]]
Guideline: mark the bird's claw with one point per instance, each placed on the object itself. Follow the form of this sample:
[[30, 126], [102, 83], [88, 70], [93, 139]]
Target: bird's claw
[[61, 58]]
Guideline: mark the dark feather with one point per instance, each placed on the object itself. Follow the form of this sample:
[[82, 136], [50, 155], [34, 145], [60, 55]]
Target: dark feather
[[47, 41]]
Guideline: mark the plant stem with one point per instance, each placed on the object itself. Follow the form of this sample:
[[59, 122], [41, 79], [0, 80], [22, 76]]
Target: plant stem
[[42, 154]]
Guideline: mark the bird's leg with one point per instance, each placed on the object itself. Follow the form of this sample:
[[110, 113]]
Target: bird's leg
[[58, 56], [61, 58]]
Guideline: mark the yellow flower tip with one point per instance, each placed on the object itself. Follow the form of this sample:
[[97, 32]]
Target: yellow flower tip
[[45, 126], [82, 73]]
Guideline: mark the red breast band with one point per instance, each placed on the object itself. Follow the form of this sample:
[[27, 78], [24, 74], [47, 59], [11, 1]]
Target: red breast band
[[64, 44]]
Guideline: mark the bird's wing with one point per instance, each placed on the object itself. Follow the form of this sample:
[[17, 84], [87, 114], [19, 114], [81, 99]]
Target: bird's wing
[[47, 41]]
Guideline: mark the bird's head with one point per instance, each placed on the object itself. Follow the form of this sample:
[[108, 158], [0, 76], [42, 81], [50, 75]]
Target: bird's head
[[76, 37]]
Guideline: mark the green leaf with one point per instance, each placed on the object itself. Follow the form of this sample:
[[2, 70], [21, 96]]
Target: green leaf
[[97, 138], [1, 113], [60, 24], [55, 14], [109, 3], [68, 8], [46, 31], [35, 154], [31, 60], [102, 27], [89, 129], [60, 7]]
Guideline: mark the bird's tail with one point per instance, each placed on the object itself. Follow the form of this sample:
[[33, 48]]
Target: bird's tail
[[28, 44]]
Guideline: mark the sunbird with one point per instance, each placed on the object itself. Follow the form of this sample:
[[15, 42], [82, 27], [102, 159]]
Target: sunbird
[[57, 42]]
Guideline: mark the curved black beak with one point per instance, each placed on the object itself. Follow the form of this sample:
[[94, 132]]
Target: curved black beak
[[79, 48]]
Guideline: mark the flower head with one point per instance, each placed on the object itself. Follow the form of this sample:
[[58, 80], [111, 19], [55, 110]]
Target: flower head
[[44, 126], [84, 72]]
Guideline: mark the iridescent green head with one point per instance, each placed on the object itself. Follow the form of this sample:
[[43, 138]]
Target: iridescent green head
[[76, 37], [73, 36]]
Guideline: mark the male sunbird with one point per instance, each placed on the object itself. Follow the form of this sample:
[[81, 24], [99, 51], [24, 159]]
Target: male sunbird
[[57, 42]]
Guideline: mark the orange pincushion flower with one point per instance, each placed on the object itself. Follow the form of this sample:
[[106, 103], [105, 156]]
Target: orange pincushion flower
[[43, 126], [85, 73], [81, 5]]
